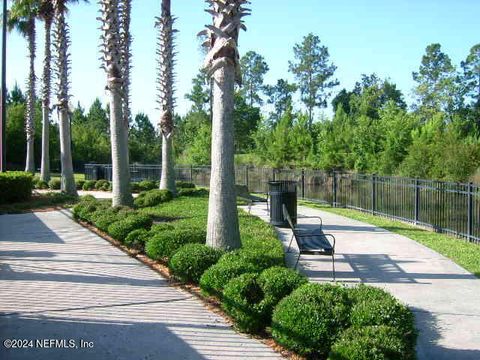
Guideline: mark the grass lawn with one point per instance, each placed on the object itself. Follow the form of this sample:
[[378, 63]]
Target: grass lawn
[[463, 253]]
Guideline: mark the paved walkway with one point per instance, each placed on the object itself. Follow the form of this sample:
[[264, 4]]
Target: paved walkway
[[444, 297], [60, 281]]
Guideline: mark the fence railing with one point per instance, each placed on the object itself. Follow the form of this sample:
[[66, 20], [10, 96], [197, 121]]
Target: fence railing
[[443, 206]]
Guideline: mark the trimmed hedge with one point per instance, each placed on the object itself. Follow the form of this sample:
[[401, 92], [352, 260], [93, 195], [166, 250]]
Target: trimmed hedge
[[191, 260], [164, 244], [79, 184], [250, 298], [153, 198], [388, 312], [369, 343], [119, 230], [192, 192], [147, 185], [137, 239], [89, 185], [55, 184], [184, 185], [309, 320], [100, 183], [15, 186]]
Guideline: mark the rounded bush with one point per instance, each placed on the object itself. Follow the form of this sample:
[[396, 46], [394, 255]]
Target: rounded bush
[[217, 276], [242, 300], [388, 312], [120, 229], [89, 185], [251, 311], [135, 187], [15, 186], [158, 228], [54, 184], [79, 184], [276, 283], [137, 239], [309, 319], [41, 185], [99, 184], [107, 186], [164, 244], [156, 197], [147, 185], [369, 343], [192, 192], [365, 293], [184, 185], [191, 260]]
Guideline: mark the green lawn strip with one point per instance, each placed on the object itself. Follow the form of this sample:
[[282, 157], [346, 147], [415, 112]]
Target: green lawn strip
[[461, 252], [38, 202]]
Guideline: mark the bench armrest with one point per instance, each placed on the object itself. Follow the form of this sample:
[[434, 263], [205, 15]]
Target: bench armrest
[[312, 217]]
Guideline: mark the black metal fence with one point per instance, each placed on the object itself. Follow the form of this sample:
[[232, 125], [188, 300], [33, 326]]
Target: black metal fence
[[444, 206]]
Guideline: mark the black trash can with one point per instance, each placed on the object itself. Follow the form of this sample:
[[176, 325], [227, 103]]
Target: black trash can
[[282, 192]]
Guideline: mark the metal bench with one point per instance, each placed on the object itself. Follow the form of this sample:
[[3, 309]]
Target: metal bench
[[313, 242]]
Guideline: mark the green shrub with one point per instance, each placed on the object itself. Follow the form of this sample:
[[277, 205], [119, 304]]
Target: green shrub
[[107, 186], [35, 180], [103, 220], [309, 320], [369, 343], [250, 298], [276, 283], [137, 239], [120, 229], [147, 185], [153, 198], [184, 185], [217, 276], [161, 227], [86, 207], [55, 184], [41, 185], [192, 192], [385, 311], [15, 186], [100, 183], [191, 260], [79, 184], [89, 185], [164, 244], [135, 187]]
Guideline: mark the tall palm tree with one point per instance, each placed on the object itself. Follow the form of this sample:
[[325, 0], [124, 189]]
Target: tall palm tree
[[165, 90], [22, 18], [125, 7], [223, 64], [62, 72], [46, 13], [111, 63]]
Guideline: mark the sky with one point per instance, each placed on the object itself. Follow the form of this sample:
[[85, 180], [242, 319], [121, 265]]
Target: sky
[[386, 37]]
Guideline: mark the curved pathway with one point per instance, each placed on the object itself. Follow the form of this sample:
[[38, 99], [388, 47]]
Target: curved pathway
[[59, 281], [444, 297]]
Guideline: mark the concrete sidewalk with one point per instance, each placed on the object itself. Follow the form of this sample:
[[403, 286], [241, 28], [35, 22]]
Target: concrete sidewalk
[[444, 297], [60, 281]]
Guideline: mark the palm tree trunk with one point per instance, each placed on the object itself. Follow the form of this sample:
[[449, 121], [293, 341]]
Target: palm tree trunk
[[222, 228], [30, 115], [165, 95], [121, 194], [45, 165], [112, 64], [167, 180], [62, 67]]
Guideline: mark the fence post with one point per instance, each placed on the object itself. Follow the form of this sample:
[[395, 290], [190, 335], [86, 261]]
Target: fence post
[[303, 183], [417, 201], [334, 184], [374, 193], [273, 173], [470, 212], [191, 173], [246, 175]]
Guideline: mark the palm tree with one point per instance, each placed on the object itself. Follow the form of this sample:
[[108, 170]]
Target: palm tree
[[223, 64], [22, 18], [46, 13], [165, 93], [125, 7], [62, 70], [111, 63]]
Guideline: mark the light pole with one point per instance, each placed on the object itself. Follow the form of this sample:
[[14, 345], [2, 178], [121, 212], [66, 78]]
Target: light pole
[[3, 117]]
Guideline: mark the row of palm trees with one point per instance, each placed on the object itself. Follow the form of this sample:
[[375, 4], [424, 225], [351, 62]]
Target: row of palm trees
[[221, 63]]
